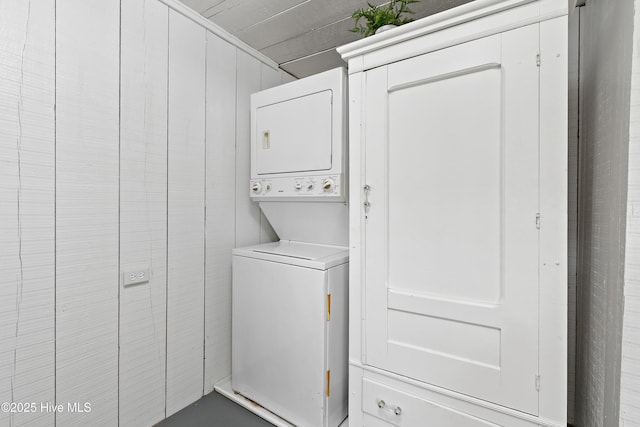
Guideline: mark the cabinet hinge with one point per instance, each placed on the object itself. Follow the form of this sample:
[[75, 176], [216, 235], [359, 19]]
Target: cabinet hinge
[[537, 382], [538, 59], [538, 220], [328, 383], [328, 307], [366, 189]]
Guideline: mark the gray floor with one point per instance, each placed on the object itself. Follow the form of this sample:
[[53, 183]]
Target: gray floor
[[214, 410]]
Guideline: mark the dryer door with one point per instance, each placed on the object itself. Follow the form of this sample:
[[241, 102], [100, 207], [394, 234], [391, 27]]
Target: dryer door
[[294, 135]]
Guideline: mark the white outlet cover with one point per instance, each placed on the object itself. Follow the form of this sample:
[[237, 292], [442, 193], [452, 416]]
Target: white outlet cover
[[135, 277]]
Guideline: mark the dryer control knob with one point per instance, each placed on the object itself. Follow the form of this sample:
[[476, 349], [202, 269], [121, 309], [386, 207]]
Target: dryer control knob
[[328, 184], [256, 187], [298, 186]]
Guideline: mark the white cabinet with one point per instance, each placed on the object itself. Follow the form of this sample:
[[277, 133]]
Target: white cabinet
[[458, 165]]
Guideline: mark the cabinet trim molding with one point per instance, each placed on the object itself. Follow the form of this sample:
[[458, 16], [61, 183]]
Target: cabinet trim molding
[[489, 17]]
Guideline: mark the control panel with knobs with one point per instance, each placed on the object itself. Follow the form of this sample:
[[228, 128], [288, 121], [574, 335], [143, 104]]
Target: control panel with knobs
[[328, 184], [316, 187]]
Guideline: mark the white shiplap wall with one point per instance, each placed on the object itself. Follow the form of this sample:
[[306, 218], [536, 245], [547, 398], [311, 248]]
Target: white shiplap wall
[[605, 74], [232, 219], [27, 355], [248, 214], [144, 165], [185, 229], [220, 194], [630, 369], [87, 193], [143, 210]]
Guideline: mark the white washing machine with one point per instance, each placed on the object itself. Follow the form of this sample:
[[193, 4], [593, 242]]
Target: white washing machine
[[289, 310], [289, 342]]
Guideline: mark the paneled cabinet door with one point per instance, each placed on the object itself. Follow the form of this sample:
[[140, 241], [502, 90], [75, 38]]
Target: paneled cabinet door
[[451, 235]]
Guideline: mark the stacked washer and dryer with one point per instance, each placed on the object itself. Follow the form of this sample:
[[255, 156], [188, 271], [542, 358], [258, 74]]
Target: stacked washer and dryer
[[289, 312]]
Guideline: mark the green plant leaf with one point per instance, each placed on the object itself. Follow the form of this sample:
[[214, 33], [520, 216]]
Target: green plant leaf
[[375, 17]]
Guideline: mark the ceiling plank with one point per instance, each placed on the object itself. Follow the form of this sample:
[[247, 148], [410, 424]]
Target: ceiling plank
[[307, 17], [313, 64], [247, 14], [202, 5], [322, 39], [218, 6]]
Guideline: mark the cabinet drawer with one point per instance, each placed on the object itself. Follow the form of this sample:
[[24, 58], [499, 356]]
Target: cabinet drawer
[[403, 409]]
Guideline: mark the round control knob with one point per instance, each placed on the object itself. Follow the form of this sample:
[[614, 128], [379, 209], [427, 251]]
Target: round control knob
[[328, 184], [310, 186], [256, 187], [267, 188]]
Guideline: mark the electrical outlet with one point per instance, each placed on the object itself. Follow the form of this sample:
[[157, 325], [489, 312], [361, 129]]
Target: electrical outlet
[[134, 277]]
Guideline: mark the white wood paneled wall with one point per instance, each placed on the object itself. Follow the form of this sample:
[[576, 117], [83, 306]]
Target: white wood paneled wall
[[248, 214], [143, 210], [630, 366], [144, 164], [27, 356], [232, 219], [221, 147], [87, 166], [185, 242]]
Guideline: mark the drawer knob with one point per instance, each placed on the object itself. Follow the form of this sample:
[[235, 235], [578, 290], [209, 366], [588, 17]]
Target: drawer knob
[[381, 404], [398, 410]]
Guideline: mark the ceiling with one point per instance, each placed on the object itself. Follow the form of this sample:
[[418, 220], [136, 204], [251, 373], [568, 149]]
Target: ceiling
[[300, 35]]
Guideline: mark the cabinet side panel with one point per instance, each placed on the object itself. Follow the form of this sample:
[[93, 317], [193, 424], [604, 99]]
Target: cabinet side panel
[[87, 181], [338, 344], [27, 352], [572, 214], [553, 211]]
